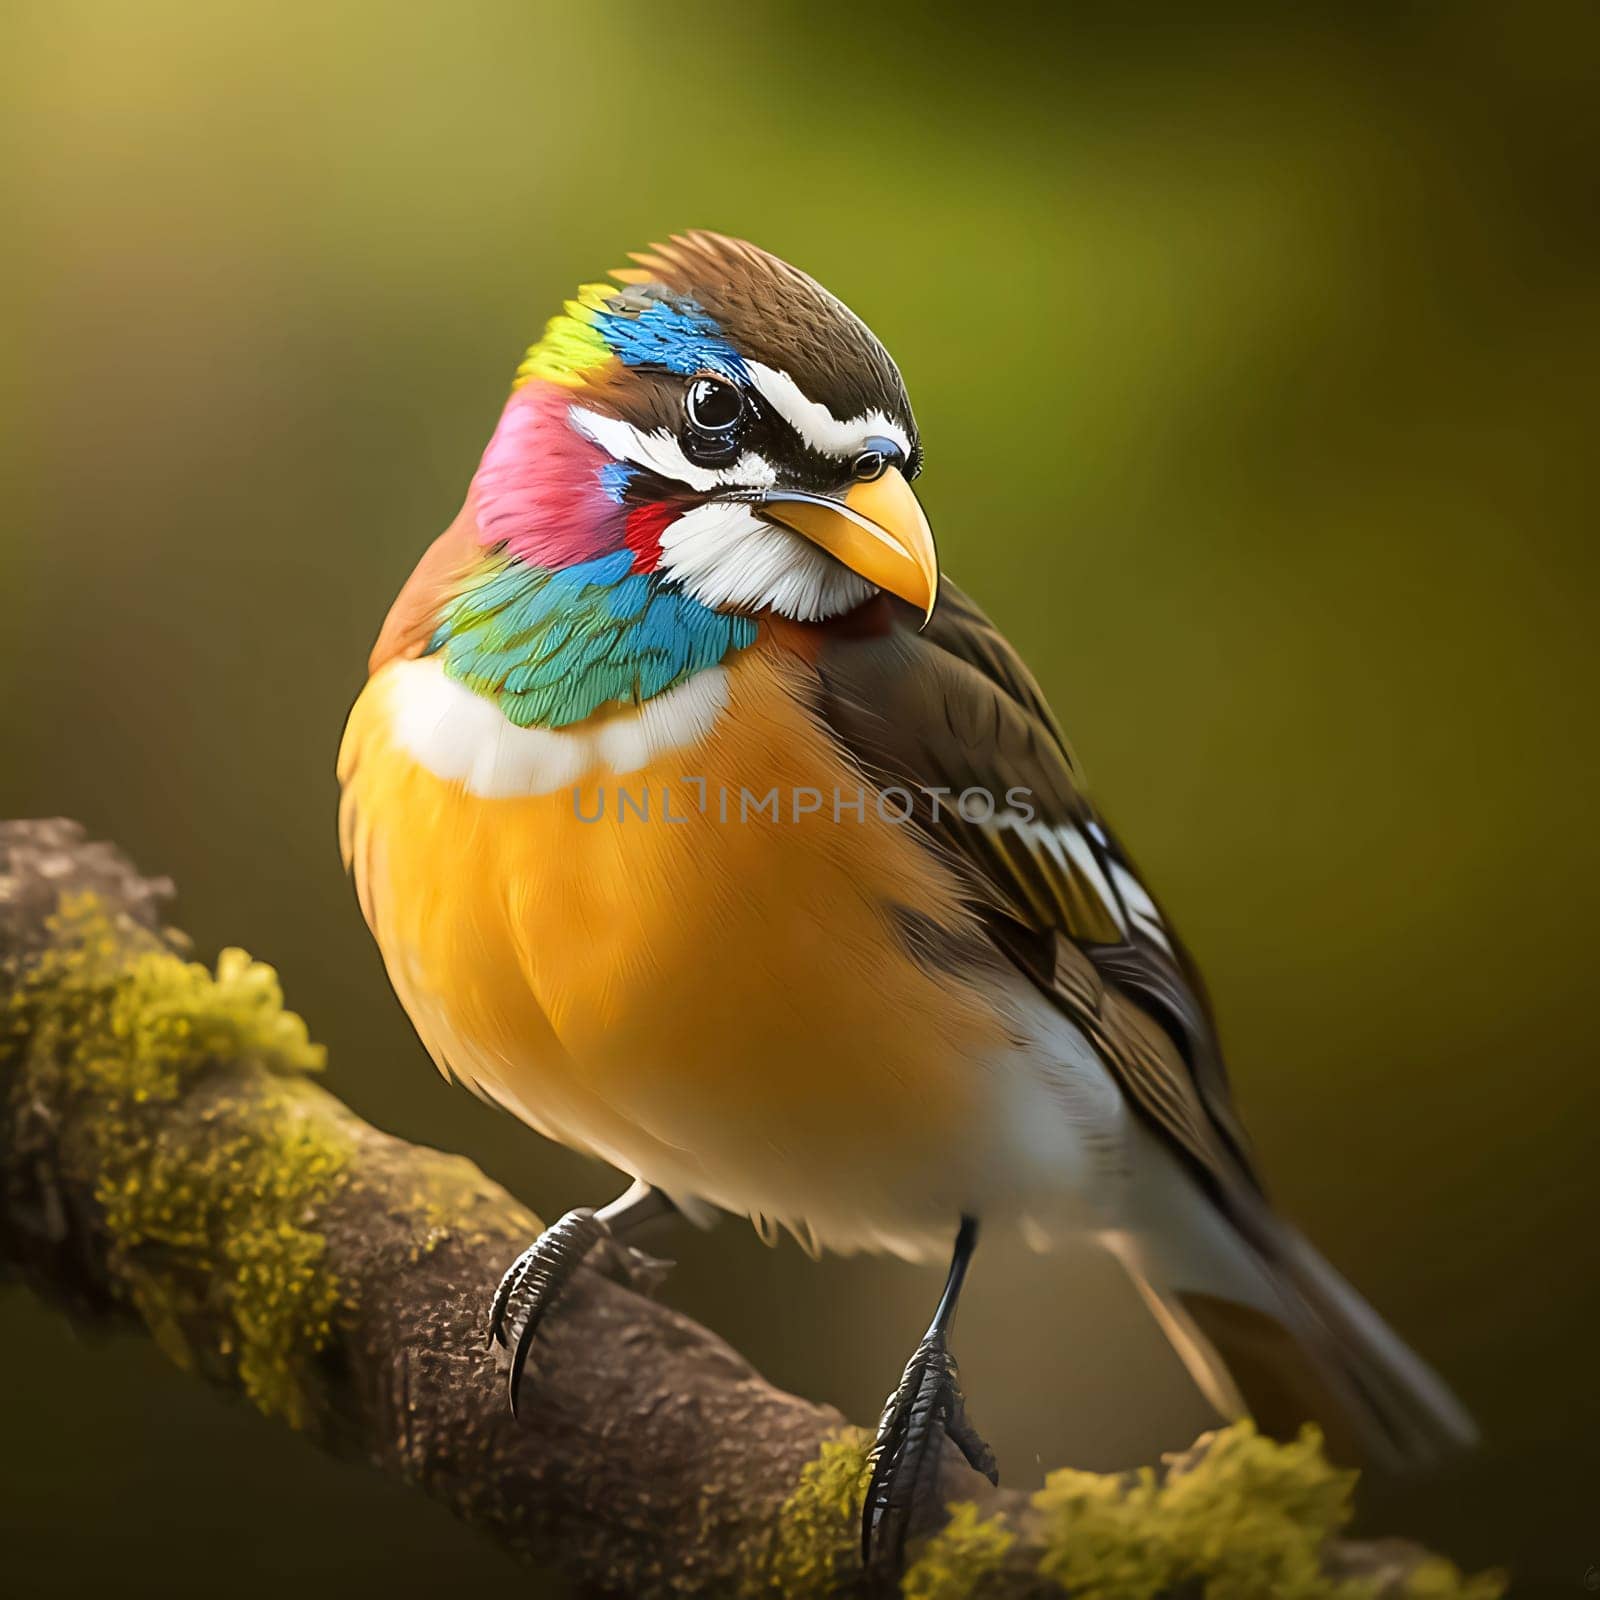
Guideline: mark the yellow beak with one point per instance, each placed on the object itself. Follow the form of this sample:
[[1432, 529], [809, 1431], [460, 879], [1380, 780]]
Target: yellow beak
[[877, 530]]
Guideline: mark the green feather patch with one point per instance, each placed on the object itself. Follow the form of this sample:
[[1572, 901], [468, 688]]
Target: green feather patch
[[553, 646]]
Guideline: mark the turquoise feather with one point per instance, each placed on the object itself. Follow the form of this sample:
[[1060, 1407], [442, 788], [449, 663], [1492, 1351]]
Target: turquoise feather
[[552, 647]]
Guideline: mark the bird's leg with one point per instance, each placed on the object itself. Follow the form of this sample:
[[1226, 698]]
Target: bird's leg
[[927, 1407], [536, 1279]]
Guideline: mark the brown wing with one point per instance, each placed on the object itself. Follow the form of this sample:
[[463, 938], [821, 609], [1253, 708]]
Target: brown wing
[[953, 717]]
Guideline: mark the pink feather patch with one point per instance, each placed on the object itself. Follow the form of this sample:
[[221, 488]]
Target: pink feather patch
[[538, 486]]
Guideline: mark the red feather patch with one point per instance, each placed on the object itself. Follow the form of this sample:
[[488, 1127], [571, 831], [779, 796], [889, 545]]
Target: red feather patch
[[646, 524]]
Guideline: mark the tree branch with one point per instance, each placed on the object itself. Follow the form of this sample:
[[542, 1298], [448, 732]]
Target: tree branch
[[166, 1160]]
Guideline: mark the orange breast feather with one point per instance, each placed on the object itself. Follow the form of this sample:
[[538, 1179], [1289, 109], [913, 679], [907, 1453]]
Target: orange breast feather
[[709, 998]]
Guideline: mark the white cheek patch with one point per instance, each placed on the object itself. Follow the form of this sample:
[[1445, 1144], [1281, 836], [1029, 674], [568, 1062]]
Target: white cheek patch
[[660, 452], [816, 424], [464, 738], [730, 559], [751, 471]]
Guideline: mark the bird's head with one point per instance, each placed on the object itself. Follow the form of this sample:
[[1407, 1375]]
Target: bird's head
[[720, 415], [711, 429]]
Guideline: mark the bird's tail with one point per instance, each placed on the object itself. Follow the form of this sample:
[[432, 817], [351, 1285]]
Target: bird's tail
[[1268, 1329]]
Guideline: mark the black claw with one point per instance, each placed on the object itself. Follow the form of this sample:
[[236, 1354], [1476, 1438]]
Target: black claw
[[510, 1284], [926, 1407], [519, 1359], [536, 1280]]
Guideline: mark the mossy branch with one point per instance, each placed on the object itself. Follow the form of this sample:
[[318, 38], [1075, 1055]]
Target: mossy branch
[[166, 1160]]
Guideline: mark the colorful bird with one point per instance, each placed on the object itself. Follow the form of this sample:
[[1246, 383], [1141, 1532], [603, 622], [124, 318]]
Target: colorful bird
[[703, 827]]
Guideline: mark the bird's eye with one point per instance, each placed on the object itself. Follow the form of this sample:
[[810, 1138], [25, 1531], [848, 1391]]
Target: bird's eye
[[875, 458], [714, 407]]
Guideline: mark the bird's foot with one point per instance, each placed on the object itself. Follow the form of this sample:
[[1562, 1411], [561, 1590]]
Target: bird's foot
[[637, 1268], [923, 1411], [536, 1280]]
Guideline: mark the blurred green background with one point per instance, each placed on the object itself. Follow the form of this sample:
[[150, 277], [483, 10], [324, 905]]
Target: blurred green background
[[1255, 359]]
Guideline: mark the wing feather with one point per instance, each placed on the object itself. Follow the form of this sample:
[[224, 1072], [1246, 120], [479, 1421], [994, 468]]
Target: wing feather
[[954, 711]]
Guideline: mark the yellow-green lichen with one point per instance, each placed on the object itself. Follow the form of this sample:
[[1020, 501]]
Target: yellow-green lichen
[[815, 1540], [208, 1230], [958, 1559], [1240, 1518], [1438, 1579], [1247, 1518], [814, 1548]]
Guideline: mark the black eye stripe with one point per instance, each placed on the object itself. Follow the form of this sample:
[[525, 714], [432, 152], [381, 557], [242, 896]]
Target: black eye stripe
[[720, 420]]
